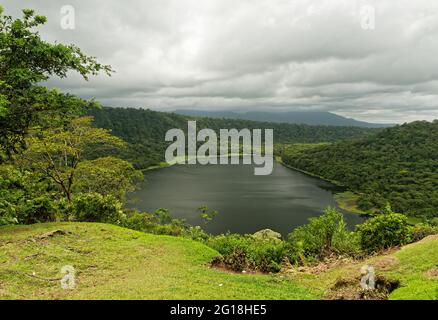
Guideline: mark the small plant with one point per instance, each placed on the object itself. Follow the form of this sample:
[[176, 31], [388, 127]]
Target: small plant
[[206, 214], [162, 216]]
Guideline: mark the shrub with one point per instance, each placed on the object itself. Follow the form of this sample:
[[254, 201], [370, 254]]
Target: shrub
[[384, 231], [245, 251], [434, 222], [39, 209], [420, 231], [196, 233], [160, 222], [94, 207], [323, 236], [139, 221]]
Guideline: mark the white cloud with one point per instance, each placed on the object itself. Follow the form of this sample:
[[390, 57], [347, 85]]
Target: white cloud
[[257, 54]]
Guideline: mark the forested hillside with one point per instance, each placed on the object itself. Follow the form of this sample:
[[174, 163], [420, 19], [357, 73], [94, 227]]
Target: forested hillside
[[300, 117], [398, 164], [145, 130]]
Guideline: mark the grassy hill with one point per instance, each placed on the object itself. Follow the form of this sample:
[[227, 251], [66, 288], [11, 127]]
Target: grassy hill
[[116, 263]]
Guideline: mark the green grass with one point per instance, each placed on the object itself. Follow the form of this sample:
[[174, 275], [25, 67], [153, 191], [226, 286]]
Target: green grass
[[348, 201], [410, 265], [116, 263], [414, 263]]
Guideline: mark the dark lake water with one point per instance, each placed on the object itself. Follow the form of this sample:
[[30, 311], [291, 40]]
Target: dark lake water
[[246, 203]]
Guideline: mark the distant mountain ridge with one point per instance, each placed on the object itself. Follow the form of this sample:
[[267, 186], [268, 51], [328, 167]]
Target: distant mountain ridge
[[296, 117]]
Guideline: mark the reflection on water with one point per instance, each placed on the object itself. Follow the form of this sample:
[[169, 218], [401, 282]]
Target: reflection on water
[[246, 203]]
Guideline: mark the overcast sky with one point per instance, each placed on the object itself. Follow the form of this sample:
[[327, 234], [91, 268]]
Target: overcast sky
[[256, 54]]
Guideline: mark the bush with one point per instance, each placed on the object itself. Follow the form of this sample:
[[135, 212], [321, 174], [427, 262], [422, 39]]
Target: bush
[[94, 207], [39, 209], [420, 231], [139, 221], [434, 222], [196, 233], [246, 252], [160, 222], [384, 231], [323, 236]]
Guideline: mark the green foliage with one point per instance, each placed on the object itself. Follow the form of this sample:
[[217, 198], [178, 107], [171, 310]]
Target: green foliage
[[145, 130], [59, 154], [25, 61], [206, 214], [323, 236], [384, 231], [108, 176], [161, 222], [421, 231], [398, 164], [25, 196], [94, 207], [242, 252]]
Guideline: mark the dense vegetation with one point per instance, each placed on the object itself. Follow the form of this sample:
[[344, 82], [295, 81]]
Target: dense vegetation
[[145, 130], [26, 60], [398, 165], [50, 166]]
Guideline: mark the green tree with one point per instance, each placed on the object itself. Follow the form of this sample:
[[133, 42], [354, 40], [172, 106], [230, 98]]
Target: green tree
[[25, 61], [107, 176], [58, 152]]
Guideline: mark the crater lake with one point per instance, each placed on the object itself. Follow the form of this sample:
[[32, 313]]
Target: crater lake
[[246, 203]]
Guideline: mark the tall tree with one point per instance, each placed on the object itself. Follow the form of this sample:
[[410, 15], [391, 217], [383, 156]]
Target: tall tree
[[58, 152]]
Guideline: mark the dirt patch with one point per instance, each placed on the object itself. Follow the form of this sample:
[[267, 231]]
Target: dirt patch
[[235, 263], [386, 262], [432, 273], [350, 289], [49, 234]]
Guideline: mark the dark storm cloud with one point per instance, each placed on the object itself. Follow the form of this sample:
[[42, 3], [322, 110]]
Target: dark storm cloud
[[279, 55]]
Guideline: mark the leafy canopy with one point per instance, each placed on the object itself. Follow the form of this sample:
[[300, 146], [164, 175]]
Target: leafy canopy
[[25, 61], [58, 152]]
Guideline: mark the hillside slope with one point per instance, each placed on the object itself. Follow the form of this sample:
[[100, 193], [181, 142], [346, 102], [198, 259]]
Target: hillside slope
[[300, 117], [116, 263], [398, 164], [145, 131]]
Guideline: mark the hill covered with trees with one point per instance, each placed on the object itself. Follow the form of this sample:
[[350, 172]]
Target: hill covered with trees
[[145, 130], [398, 165], [299, 117]]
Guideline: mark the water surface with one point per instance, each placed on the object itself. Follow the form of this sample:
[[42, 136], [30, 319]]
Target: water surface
[[246, 203]]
